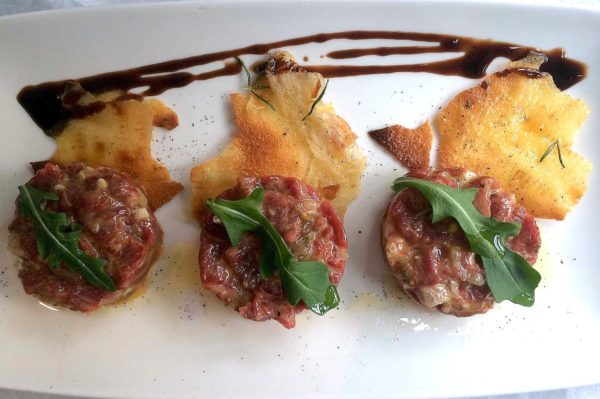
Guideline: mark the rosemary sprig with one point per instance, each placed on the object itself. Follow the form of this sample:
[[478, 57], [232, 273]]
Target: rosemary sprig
[[245, 70], [317, 100], [549, 150], [559, 155], [252, 87], [264, 100]]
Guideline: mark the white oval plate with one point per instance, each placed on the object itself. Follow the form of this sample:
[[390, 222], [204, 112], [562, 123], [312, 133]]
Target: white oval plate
[[177, 340]]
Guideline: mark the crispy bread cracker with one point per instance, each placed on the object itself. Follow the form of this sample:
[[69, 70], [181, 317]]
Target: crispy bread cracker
[[411, 147], [320, 150], [503, 126], [120, 137]]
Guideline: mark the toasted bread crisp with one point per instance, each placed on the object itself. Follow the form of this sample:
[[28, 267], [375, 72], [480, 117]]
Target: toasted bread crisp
[[503, 126], [320, 150], [411, 147], [120, 136]]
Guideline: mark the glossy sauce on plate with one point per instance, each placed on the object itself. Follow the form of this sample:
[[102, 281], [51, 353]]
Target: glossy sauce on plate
[[49, 107]]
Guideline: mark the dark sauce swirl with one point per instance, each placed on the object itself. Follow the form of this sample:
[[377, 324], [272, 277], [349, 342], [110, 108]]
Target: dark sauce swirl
[[46, 106]]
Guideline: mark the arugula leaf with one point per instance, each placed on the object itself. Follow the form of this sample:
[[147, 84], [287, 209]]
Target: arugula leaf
[[508, 274], [301, 281], [309, 282], [238, 216], [58, 241]]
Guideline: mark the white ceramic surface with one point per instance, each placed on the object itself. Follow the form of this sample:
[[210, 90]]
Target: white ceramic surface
[[177, 340]]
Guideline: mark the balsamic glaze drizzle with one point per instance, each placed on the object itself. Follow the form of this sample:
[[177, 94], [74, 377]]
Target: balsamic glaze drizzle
[[46, 106]]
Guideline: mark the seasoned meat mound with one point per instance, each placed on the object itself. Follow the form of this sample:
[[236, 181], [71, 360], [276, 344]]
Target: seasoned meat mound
[[117, 225], [309, 226], [432, 262]]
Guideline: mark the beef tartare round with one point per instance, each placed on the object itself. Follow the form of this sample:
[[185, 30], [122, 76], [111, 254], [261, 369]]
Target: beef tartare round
[[310, 228], [116, 225], [432, 262]]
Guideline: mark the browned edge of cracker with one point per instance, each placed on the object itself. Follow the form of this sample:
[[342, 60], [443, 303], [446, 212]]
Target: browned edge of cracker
[[411, 147]]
